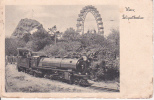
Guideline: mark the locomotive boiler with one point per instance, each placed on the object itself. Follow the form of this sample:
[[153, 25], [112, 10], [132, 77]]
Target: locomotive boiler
[[77, 65], [73, 71]]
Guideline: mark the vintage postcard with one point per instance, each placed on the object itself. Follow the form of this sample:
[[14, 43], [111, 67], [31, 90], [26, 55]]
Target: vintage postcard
[[76, 49]]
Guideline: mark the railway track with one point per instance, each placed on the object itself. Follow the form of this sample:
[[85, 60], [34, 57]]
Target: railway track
[[93, 87], [103, 89]]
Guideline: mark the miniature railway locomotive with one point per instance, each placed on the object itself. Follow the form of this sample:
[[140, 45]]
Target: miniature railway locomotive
[[73, 71]]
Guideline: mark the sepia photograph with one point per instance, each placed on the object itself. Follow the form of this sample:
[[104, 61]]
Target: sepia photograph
[[76, 49], [62, 49]]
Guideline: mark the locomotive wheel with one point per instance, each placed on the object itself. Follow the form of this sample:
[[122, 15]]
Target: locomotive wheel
[[19, 70], [41, 76], [22, 69], [70, 82], [76, 81], [83, 82], [35, 74], [25, 70], [45, 76], [30, 72]]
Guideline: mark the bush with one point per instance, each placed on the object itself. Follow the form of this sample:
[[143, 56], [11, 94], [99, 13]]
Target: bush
[[100, 71], [39, 40], [89, 39], [26, 37], [113, 42], [21, 43], [71, 35], [61, 48], [106, 50], [10, 46], [103, 49], [54, 50]]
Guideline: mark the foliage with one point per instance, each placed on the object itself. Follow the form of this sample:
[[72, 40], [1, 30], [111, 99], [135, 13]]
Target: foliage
[[109, 53], [20, 43], [39, 40], [104, 49], [10, 46], [88, 39], [54, 50], [26, 37], [71, 35], [62, 48]]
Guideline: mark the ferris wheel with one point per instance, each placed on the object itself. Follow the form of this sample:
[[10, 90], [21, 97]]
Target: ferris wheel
[[81, 18]]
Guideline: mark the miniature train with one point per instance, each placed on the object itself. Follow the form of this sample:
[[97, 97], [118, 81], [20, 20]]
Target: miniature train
[[73, 71]]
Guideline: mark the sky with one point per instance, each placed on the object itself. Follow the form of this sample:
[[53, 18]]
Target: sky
[[63, 16]]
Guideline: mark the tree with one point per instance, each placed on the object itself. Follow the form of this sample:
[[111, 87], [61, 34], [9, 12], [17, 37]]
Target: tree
[[71, 35], [55, 33], [39, 40], [114, 43], [26, 37], [10, 46], [89, 39]]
